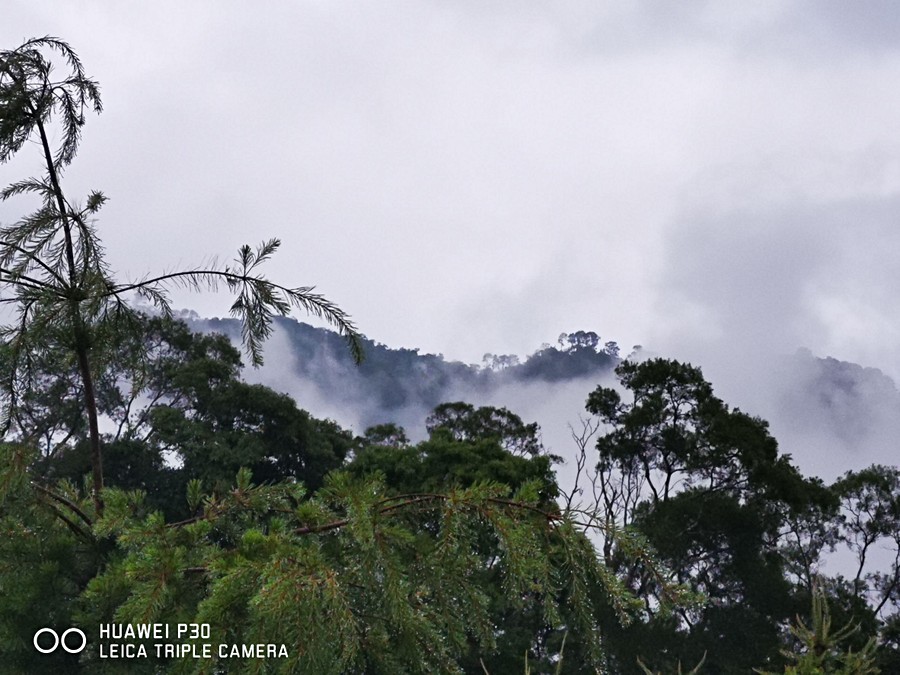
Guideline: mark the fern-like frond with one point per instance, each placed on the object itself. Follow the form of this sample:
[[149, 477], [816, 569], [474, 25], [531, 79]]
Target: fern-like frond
[[258, 299]]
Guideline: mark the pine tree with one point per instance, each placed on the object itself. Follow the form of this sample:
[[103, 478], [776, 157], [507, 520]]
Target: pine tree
[[821, 649], [52, 266]]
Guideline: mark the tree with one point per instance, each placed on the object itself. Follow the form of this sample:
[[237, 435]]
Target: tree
[[499, 362], [463, 452], [467, 448], [52, 265], [868, 527], [823, 650], [860, 527], [390, 435], [579, 340], [45, 562], [178, 411], [870, 519], [397, 582], [465, 422], [706, 486]]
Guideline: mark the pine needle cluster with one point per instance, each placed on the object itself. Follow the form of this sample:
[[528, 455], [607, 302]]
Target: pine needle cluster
[[351, 580]]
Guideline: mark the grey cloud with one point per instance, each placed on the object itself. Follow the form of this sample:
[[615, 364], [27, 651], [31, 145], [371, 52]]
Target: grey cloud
[[871, 26], [763, 275], [704, 178], [752, 282]]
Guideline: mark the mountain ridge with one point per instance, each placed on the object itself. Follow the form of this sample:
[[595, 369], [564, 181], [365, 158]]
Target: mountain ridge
[[814, 404]]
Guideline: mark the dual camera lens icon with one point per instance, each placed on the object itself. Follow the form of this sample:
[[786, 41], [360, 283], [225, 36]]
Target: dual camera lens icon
[[65, 641]]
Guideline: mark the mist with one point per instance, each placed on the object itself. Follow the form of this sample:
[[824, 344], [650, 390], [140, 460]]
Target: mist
[[831, 416]]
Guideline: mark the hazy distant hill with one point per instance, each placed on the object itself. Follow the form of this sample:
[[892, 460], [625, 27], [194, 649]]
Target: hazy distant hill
[[842, 405], [402, 385], [831, 415]]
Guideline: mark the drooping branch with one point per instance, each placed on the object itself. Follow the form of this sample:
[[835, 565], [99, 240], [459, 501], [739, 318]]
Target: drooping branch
[[264, 298], [68, 503]]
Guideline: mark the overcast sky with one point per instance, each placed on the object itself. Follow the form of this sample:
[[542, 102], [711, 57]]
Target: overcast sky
[[703, 178]]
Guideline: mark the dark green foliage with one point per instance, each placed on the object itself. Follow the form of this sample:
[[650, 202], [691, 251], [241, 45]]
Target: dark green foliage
[[390, 435], [579, 354], [180, 411], [469, 446], [868, 526], [461, 559], [46, 558], [823, 649], [25, 102], [707, 488], [250, 425], [465, 422], [349, 579], [465, 448]]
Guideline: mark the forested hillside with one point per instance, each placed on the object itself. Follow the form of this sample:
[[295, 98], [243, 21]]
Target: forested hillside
[[402, 385], [820, 406]]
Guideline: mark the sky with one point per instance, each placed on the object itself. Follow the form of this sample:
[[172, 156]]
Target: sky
[[717, 181]]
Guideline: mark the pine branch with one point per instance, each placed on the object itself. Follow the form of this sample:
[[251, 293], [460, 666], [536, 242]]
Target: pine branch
[[36, 260], [72, 506], [258, 300]]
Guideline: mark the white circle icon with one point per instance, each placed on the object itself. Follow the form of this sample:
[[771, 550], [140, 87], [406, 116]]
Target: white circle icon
[[60, 640]]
